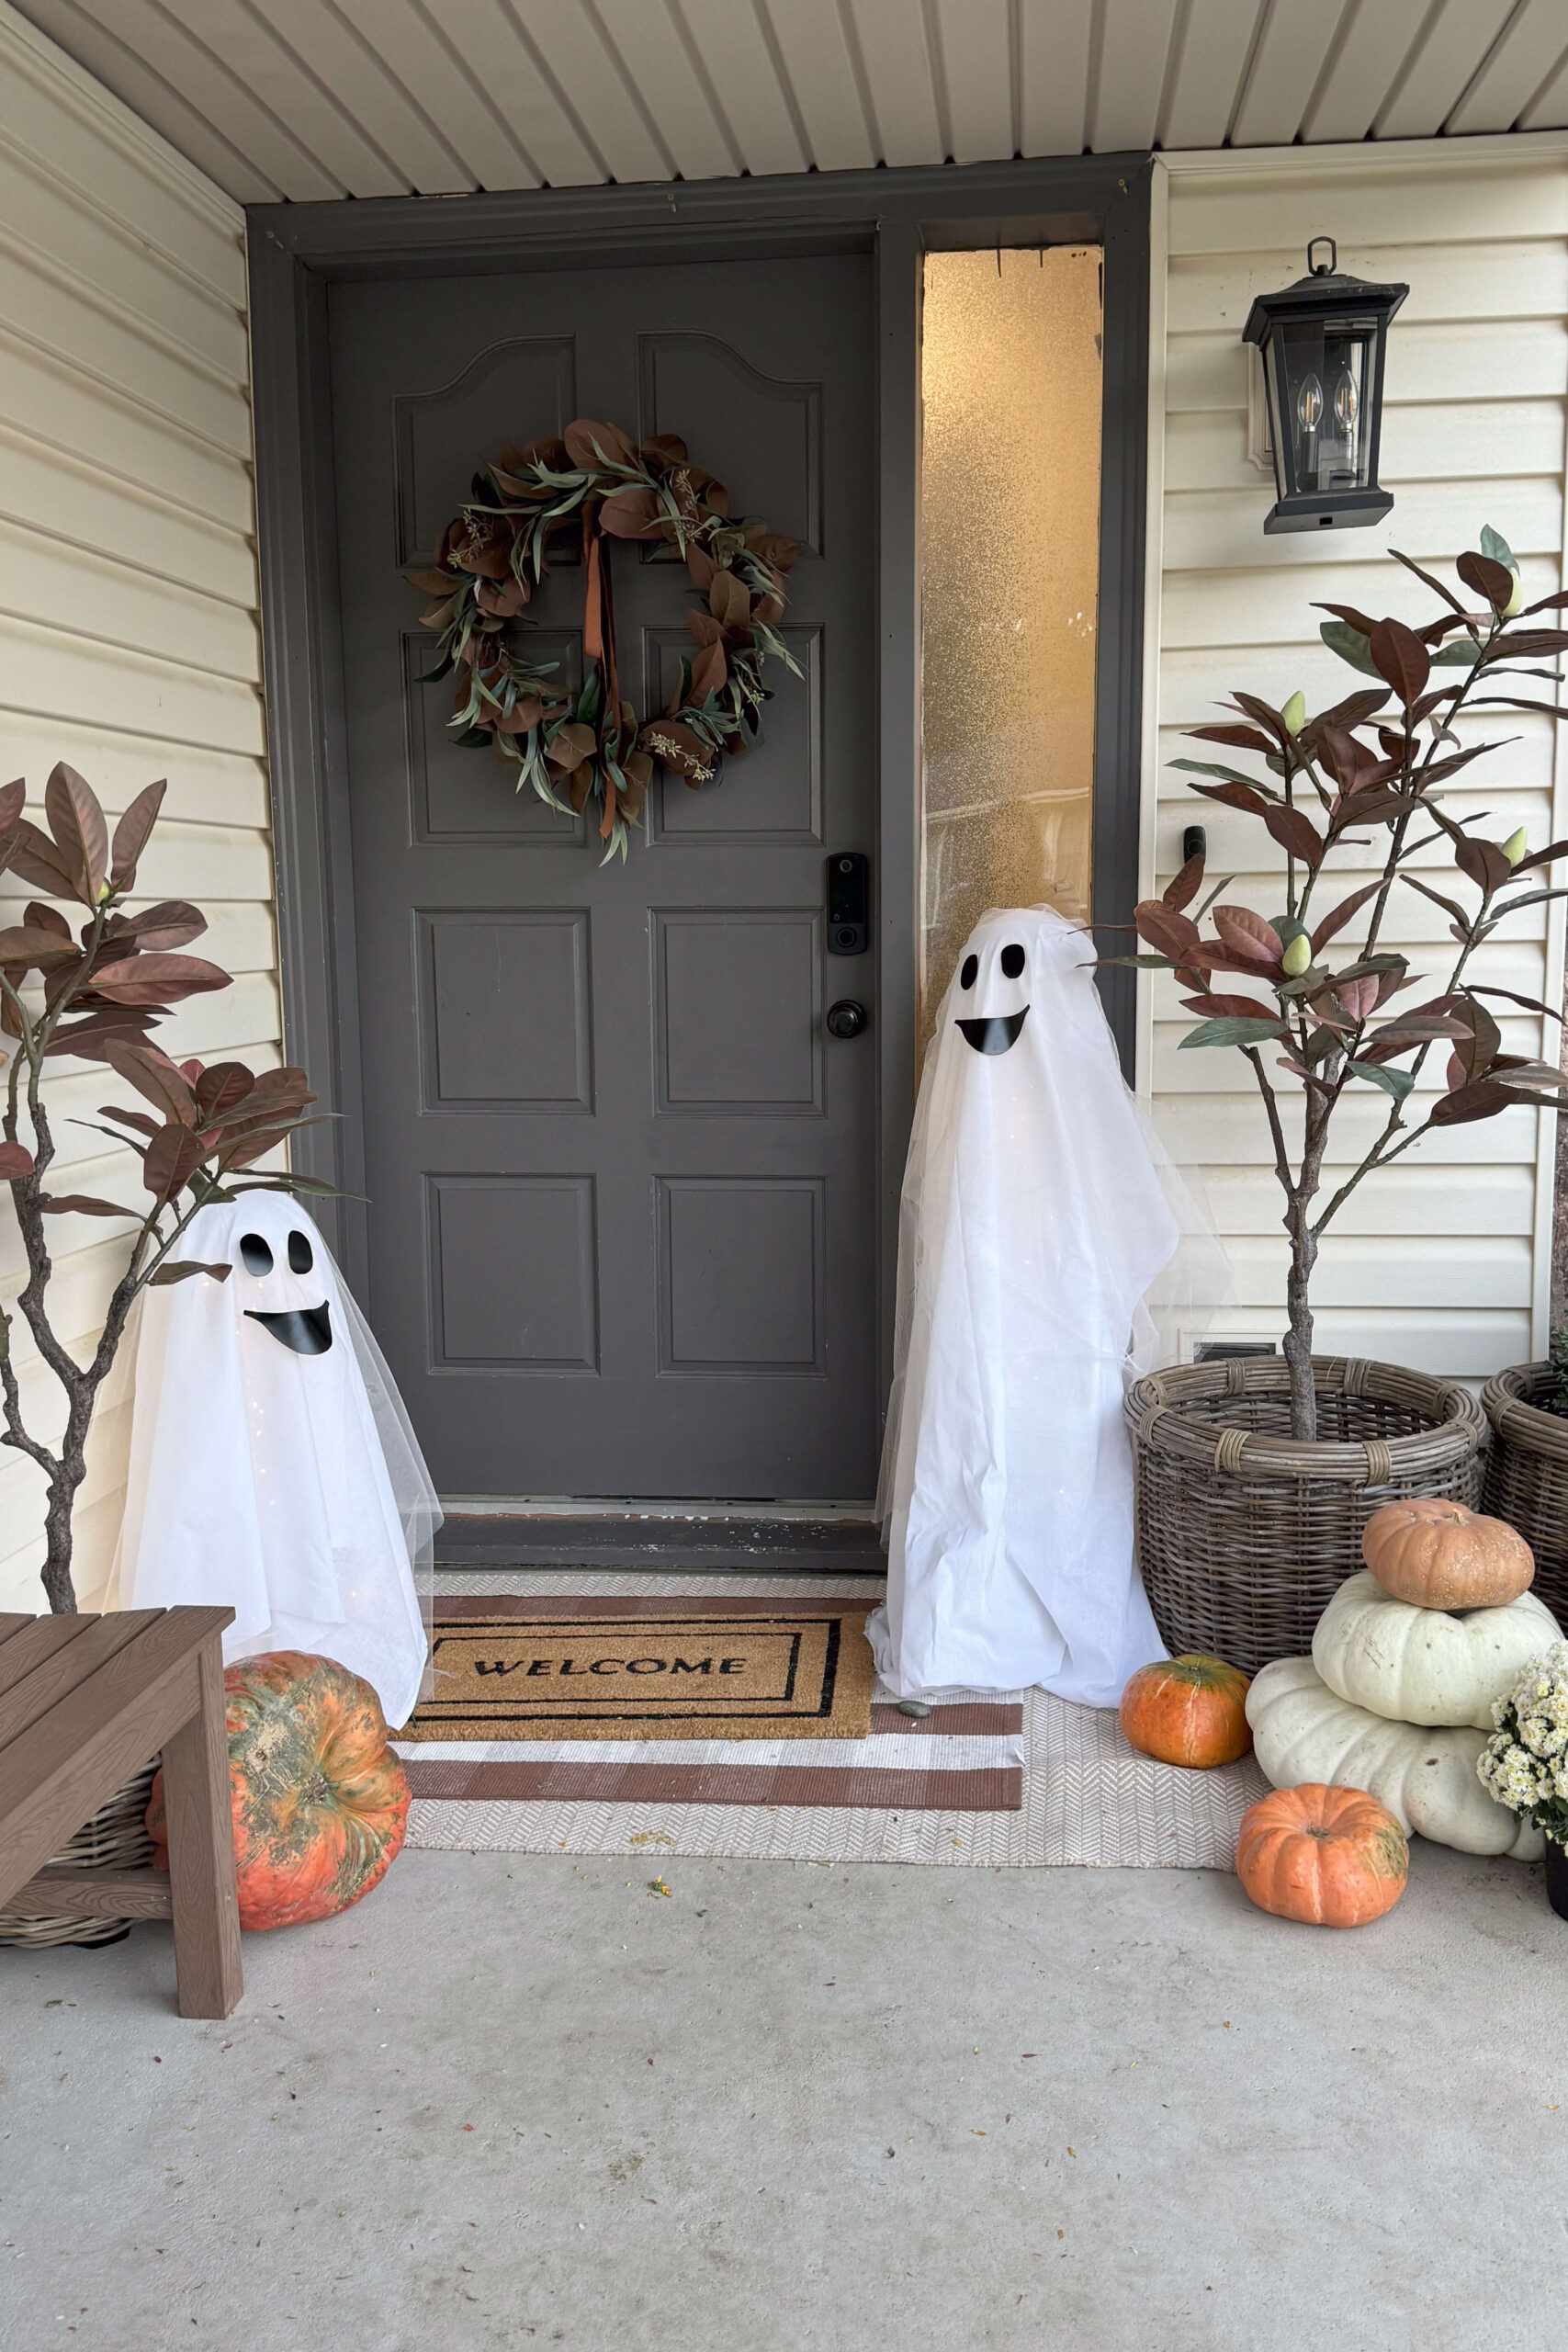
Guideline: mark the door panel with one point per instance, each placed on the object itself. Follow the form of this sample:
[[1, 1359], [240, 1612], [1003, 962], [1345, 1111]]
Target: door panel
[[621, 1180]]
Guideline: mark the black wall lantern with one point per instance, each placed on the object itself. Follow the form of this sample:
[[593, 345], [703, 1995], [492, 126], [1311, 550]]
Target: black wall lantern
[[1322, 342]]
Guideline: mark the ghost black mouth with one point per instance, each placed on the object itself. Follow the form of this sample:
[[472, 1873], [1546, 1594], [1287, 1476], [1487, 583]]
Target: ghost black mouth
[[995, 1032], [308, 1330]]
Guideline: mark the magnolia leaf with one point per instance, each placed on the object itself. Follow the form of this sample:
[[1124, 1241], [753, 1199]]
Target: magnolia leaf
[[1165, 928], [1449, 906], [1431, 581], [158, 980], [1237, 791], [1483, 1098], [1247, 935], [1339, 916], [1399, 656], [1397, 1082], [1351, 646], [1184, 888], [179, 1270], [15, 1161], [1492, 581], [1231, 1007], [37, 859], [171, 1160], [1294, 833], [76, 821], [130, 835], [1494, 545], [155, 1077], [1234, 1033], [85, 1204], [1530, 1003]]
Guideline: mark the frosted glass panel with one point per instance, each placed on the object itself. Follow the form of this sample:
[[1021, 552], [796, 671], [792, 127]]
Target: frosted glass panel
[[1011, 374]]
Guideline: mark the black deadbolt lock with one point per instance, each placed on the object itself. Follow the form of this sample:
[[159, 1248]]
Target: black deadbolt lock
[[848, 904], [846, 1019]]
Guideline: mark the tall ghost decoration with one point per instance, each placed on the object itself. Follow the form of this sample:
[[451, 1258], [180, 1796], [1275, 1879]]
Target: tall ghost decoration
[[1033, 1220], [266, 1457]]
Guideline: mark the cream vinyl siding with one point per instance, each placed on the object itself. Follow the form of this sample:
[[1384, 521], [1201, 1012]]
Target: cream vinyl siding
[[1443, 1263], [129, 635]]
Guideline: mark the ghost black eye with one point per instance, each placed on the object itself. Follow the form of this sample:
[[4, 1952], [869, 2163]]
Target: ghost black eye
[[1012, 960], [970, 973], [255, 1255], [300, 1256]]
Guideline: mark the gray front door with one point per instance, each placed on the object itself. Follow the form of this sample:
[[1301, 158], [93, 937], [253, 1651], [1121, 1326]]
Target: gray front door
[[620, 1175]]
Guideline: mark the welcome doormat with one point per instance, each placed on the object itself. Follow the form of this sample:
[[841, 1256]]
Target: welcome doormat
[[511, 1669]]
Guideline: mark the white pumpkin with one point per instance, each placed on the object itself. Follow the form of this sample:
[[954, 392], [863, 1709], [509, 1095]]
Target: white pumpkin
[[1303, 1731], [1425, 1665]]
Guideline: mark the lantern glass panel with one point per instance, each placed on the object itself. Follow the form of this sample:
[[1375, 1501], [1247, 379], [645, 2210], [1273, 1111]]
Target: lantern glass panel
[[1320, 376]]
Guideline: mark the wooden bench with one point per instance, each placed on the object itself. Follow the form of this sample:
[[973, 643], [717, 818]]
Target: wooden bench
[[84, 1702]]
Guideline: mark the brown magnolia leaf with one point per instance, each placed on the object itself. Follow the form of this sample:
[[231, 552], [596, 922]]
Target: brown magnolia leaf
[[86, 1038], [704, 628], [1399, 656], [179, 1270], [579, 784], [1492, 581], [1295, 833], [1234, 1008], [1354, 711], [1243, 738], [12, 800], [570, 744], [1482, 1100], [1249, 937], [76, 820], [1356, 997], [1168, 933], [85, 1204], [171, 1160], [1235, 795], [170, 924], [700, 568], [158, 980], [40, 916], [1522, 866], [590, 446], [1484, 863], [1362, 623], [727, 600], [37, 859], [710, 671], [1335, 920], [27, 944], [155, 1077], [1185, 885], [130, 835], [15, 1161], [630, 512], [140, 1120]]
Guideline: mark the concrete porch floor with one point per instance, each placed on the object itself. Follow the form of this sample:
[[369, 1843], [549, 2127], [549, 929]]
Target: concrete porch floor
[[514, 2099]]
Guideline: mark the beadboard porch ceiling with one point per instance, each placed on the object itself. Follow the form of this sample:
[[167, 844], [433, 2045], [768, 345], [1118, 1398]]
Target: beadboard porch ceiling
[[305, 99]]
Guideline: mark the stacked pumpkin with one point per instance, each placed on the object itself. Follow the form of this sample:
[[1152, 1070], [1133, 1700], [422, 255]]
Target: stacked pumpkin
[[1407, 1657]]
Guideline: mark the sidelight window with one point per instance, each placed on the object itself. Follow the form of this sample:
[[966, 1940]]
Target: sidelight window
[[1010, 382]]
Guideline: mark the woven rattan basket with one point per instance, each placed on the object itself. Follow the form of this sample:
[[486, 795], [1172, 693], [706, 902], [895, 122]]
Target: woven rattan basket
[[1244, 1532], [1527, 1474], [115, 1840]]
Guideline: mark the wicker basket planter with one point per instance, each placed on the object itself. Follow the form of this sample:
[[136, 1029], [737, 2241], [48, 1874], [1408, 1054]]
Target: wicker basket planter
[[1244, 1532], [115, 1840], [1527, 1474]]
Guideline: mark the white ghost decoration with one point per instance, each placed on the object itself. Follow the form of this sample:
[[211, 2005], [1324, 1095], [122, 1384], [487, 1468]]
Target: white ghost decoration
[[1033, 1220], [266, 1457]]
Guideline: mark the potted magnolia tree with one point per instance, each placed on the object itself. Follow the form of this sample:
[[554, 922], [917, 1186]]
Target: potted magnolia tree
[[94, 994], [1255, 1476]]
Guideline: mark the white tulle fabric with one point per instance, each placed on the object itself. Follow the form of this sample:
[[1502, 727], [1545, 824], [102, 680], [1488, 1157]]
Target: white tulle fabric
[[289, 1486], [1035, 1218]]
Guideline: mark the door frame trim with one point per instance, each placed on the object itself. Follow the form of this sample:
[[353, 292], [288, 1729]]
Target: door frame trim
[[298, 251]]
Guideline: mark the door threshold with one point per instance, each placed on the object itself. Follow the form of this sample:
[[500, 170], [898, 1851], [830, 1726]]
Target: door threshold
[[704, 1507], [705, 1538]]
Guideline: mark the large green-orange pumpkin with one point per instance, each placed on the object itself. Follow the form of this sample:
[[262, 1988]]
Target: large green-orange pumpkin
[[320, 1801], [1330, 1857], [1188, 1711]]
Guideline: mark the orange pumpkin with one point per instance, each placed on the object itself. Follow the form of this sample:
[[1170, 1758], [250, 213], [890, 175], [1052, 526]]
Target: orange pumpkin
[[320, 1801], [1440, 1555], [1334, 1857], [1188, 1711]]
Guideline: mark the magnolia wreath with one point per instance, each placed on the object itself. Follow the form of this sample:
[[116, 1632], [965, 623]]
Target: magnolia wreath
[[495, 554]]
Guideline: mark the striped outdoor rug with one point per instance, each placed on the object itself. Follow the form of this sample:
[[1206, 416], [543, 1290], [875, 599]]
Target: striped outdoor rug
[[992, 1781]]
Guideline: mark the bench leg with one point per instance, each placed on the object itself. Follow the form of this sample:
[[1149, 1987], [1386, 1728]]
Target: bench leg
[[201, 1853]]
